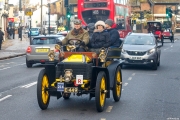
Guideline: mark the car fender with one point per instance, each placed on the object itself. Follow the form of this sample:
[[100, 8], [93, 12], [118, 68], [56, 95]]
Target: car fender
[[112, 70]]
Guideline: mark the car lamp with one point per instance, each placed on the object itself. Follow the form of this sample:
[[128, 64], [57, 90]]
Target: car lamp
[[51, 55], [102, 55], [68, 75], [123, 51], [151, 51]]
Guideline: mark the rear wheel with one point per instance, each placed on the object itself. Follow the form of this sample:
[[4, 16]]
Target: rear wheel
[[154, 67], [28, 64], [172, 39], [117, 88], [100, 91], [43, 96]]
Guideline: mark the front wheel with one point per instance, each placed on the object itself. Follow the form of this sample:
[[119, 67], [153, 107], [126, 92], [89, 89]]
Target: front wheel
[[100, 91], [43, 96], [117, 87]]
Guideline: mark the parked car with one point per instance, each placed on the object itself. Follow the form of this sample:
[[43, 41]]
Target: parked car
[[33, 32], [141, 49], [39, 48]]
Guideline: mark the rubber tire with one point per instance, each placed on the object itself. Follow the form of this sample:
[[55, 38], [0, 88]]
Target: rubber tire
[[162, 41], [121, 65], [114, 91], [100, 75], [172, 39], [154, 67], [67, 97], [39, 91], [29, 65]]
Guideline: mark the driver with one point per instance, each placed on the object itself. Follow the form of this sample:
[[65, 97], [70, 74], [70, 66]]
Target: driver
[[78, 33]]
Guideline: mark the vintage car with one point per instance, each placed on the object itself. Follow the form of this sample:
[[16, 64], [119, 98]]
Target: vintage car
[[80, 73], [156, 28], [168, 32]]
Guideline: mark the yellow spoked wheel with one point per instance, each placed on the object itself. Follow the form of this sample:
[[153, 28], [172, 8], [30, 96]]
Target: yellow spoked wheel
[[42, 93], [100, 91], [117, 88]]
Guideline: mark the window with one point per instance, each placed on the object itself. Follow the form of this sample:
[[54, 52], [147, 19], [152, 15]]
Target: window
[[44, 41], [139, 40]]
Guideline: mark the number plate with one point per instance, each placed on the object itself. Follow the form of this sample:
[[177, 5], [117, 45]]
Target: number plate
[[60, 86], [70, 89], [42, 50], [136, 58]]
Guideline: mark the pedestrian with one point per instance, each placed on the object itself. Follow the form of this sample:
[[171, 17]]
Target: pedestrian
[[114, 34], [12, 30], [20, 32], [8, 32], [100, 37], [1, 37]]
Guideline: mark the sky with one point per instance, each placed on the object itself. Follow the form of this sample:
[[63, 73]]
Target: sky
[[31, 2]]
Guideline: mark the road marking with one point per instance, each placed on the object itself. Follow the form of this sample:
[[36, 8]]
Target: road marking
[[29, 85], [133, 74], [125, 84], [5, 97], [5, 68], [109, 109], [103, 119], [130, 78]]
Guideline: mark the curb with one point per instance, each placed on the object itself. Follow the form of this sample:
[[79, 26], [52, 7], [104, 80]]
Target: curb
[[12, 56]]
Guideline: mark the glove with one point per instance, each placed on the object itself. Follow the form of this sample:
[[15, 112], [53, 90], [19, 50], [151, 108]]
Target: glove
[[82, 43]]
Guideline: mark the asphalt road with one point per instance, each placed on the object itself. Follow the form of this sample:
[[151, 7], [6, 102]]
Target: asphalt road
[[147, 94]]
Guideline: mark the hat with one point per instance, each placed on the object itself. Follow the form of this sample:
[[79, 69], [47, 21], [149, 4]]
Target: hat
[[100, 23], [77, 21], [109, 22], [91, 26]]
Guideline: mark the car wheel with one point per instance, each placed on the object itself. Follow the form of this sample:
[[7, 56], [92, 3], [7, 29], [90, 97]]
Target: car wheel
[[43, 96], [154, 67], [100, 91], [117, 87], [121, 65], [28, 64], [172, 39]]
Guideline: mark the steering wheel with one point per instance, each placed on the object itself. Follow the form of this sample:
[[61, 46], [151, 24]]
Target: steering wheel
[[74, 41]]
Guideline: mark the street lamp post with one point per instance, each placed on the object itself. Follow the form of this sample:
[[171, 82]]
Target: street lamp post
[[49, 18]]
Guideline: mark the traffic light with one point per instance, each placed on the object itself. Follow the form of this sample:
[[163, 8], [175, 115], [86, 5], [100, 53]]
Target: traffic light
[[66, 3], [68, 13], [141, 15], [169, 12]]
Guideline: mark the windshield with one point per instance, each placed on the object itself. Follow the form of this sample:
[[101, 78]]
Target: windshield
[[139, 40], [92, 16], [34, 29], [44, 41]]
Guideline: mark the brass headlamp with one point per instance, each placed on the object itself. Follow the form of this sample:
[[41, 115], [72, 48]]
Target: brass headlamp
[[68, 75], [51, 55], [102, 55], [70, 47]]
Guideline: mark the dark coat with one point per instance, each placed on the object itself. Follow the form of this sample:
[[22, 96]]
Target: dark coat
[[100, 39], [114, 37], [1, 36]]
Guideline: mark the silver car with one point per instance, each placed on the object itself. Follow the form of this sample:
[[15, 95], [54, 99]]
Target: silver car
[[141, 49], [40, 46]]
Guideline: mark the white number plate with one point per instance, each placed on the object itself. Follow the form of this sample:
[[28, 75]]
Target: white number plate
[[136, 58]]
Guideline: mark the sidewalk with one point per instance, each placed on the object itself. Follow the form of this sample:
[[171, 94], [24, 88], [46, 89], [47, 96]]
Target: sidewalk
[[14, 47]]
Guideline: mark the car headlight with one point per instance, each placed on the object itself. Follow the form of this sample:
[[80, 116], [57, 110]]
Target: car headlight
[[123, 51], [151, 51]]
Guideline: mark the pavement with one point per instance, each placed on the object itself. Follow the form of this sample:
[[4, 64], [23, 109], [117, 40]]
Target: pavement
[[14, 47]]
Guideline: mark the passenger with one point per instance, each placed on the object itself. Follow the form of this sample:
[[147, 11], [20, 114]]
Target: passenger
[[100, 37], [78, 33], [90, 29], [114, 34]]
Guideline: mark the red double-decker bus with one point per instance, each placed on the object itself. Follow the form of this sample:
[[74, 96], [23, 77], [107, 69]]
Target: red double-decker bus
[[90, 11]]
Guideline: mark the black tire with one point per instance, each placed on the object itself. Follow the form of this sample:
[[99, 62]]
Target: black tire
[[66, 95], [100, 94], [117, 87], [162, 40], [28, 64], [172, 39], [158, 64], [43, 96], [154, 67], [121, 65]]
